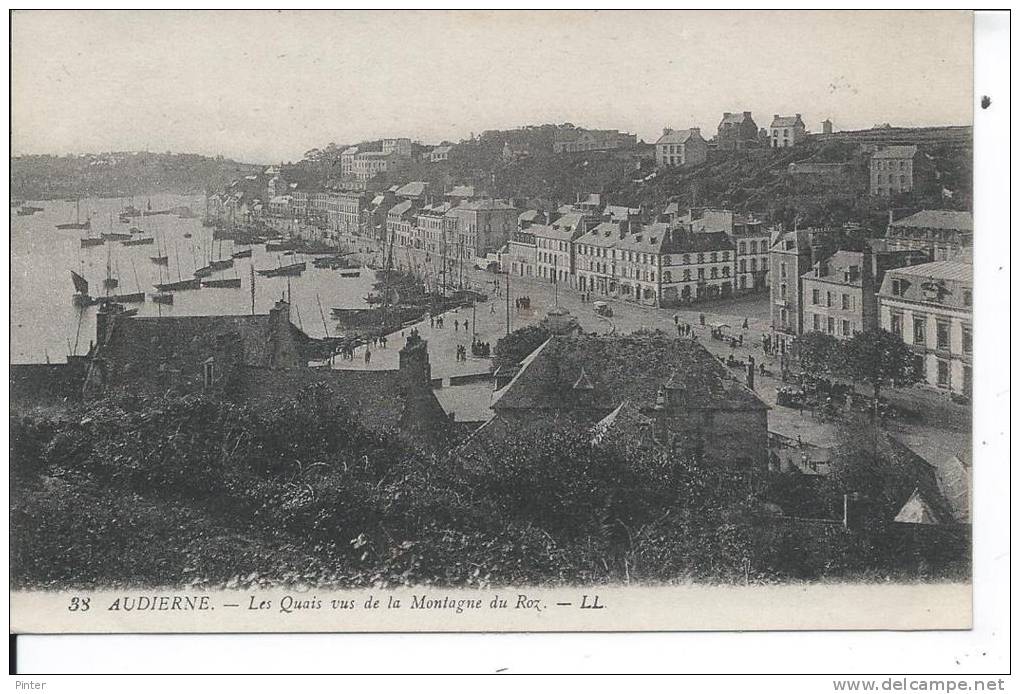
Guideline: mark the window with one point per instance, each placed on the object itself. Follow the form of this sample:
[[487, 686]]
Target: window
[[847, 330], [896, 325], [701, 257], [741, 248], [726, 271], [968, 299], [701, 273], [687, 275], [715, 272], [831, 324], [726, 255], [815, 296], [743, 265], [686, 259], [782, 291], [754, 265], [944, 379], [816, 322], [968, 345], [942, 334], [782, 269], [846, 302], [828, 299], [919, 330]]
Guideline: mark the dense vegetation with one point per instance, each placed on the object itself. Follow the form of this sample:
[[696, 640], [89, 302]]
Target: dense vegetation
[[120, 174], [196, 491]]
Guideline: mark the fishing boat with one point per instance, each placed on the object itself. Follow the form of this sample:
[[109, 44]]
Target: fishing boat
[[136, 230], [81, 296], [204, 271], [187, 234], [351, 273], [110, 283], [221, 264], [115, 236], [331, 262], [91, 241], [161, 258], [146, 241], [132, 298], [246, 253], [149, 212], [26, 210], [223, 283], [77, 223], [285, 270], [179, 285], [163, 298]]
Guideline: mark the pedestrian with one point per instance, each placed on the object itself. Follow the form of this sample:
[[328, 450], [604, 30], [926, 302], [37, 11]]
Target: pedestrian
[[701, 317], [432, 322], [465, 326], [745, 324], [679, 331], [368, 354], [456, 325], [492, 309], [676, 319]]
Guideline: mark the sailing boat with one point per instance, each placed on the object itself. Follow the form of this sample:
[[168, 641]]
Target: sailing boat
[[81, 296], [161, 257], [77, 224], [203, 271], [138, 240], [221, 263], [162, 297], [112, 235], [88, 241], [134, 297], [180, 283]]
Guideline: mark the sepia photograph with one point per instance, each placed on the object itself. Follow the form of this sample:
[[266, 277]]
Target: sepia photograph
[[491, 320]]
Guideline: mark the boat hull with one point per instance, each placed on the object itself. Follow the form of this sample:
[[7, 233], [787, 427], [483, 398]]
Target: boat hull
[[179, 285], [75, 225], [139, 242], [222, 283], [159, 259], [286, 270], [90, 243]]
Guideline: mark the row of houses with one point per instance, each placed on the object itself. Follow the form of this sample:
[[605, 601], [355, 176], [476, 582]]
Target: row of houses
[[681, 257], [917, 283]]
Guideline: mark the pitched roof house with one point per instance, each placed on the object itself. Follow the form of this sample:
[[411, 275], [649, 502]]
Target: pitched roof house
[[677, 395]]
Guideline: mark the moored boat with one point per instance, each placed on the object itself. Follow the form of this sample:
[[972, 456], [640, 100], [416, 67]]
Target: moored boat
[[148, 240], [221, 264], [203, 271], [115, 236], [159, 259], [224, 283], [132, 298], [179, 285], [246, 253], [90, 241], [291, 270], [163, 298]]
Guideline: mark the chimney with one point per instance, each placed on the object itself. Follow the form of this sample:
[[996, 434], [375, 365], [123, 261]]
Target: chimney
[[415, 370], [750, 373], [667, 131], [696, 131], [747, 114], [775, 116], [726, 114], [798, 116]]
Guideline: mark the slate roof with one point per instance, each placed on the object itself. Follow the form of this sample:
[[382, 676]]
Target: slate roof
[[948, 220], [701, 242], [550, 232], [896, 152], [631, 367], [400, 208], [940, 270], [461, 192], [414, 189], [677, 137], [786, 122]]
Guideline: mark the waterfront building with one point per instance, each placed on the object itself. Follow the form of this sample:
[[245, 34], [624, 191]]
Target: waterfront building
[[480, 227], [930, 306], [943, 234], [520, 256], [840, 292]]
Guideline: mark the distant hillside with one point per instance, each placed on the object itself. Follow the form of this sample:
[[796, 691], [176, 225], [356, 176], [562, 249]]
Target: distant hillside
[[520, 164], [120, 174]]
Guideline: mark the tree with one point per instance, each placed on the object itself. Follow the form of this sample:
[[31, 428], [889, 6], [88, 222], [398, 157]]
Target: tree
[[510, 350], [877, 356], [818, 353]]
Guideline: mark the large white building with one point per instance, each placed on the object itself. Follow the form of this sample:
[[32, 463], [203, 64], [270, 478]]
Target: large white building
[[930, 306]]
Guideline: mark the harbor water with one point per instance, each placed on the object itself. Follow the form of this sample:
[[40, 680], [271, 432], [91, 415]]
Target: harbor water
[[45, 324]]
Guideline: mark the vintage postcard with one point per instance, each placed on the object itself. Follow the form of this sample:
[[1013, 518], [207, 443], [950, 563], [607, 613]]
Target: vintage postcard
[[490, 321]]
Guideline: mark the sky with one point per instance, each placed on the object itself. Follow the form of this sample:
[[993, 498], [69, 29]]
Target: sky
[[267, 86]]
